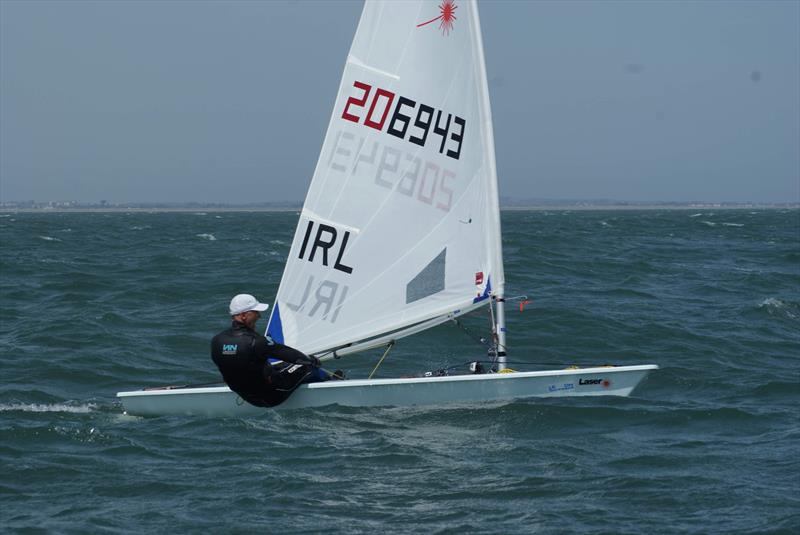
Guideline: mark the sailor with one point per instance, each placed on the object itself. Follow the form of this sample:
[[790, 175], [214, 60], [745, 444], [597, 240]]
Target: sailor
[[243, 357]]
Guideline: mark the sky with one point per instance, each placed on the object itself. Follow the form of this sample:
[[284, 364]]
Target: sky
[[228, 102]]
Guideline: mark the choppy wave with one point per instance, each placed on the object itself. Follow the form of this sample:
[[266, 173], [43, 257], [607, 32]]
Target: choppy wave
[[45, 407], [209, 237], [49, 238], [778, 306], [772, 302], [717, 309]]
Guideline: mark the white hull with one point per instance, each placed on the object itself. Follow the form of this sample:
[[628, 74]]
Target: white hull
[[220, 401]]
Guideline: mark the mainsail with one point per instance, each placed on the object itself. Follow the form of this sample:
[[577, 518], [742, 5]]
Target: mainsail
[[400, 228]]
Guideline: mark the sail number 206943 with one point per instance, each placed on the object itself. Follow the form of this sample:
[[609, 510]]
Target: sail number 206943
[[415, 121]]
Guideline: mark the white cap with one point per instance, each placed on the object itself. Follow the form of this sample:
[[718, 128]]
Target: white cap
[[244, 302]]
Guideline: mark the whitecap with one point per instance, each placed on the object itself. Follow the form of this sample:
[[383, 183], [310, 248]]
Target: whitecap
[[733, 224], [696, 215], [774, 305], [43, 407], [277, 242], [771, 302], [49, 238], [138, 227], [200, 213], [710, 223], [209, 237]]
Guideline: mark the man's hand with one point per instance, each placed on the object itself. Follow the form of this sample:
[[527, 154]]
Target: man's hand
[[313, 361]]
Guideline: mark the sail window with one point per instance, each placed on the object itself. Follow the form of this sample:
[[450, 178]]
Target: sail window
[[428, 281]]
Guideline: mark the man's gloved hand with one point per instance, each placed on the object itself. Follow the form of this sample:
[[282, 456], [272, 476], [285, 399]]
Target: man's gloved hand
[[313, 361]]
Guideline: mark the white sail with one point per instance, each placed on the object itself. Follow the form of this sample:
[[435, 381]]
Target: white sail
[[401, 221]]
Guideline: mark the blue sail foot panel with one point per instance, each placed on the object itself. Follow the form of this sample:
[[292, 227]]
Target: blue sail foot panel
[[275, 327], [486, 293]]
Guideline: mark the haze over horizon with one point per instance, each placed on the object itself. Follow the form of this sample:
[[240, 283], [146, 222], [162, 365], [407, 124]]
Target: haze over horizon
[[228, 102]]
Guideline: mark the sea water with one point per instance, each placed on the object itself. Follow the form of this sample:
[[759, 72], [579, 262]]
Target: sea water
[[95, 303]]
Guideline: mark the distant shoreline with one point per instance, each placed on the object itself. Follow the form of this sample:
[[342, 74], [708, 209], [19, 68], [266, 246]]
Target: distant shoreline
[[632, 207], [101, 210], [521, 208]]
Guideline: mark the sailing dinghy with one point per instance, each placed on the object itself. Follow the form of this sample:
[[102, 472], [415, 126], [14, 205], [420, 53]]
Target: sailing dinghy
[[400, 230]]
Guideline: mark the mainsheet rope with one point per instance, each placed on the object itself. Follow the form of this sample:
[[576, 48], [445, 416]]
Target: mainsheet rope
[[388, 348]]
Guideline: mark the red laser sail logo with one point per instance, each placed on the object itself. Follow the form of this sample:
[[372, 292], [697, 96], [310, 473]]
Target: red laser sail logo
[[447, 15]]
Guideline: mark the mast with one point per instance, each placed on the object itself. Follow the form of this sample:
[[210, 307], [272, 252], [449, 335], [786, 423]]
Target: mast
[[500, 329], [493, 228]]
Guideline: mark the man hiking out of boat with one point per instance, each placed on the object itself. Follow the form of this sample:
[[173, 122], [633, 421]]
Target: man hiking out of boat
[[262, 371]]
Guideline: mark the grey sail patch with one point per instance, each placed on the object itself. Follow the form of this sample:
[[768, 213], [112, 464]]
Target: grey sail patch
[[428, 281]]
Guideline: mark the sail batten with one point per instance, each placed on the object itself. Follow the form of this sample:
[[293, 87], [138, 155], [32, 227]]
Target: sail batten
[[400, 224], [352, 60]]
